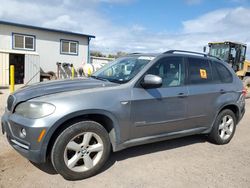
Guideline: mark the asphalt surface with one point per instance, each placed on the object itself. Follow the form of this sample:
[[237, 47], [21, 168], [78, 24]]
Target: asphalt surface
[[186, 162]]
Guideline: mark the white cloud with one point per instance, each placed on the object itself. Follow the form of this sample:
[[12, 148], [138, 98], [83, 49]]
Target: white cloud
[[223, 20], [221, 25], [85, 16], [138, 28], [63, 22]]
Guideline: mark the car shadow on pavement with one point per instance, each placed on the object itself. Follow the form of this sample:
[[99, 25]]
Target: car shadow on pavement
[[153, 148], [45, 167], [137, 151]]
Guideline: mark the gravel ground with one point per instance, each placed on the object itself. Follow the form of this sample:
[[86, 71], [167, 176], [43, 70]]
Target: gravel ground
[[185, 162]]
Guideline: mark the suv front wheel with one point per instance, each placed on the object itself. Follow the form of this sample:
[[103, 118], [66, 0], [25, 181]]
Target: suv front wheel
[[81, 150], [224, 127]]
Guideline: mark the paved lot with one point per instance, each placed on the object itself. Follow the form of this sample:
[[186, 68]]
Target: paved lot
[[185, 162]]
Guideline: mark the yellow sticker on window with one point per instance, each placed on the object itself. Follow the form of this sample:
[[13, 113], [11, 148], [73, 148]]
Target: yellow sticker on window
[[203, 73]]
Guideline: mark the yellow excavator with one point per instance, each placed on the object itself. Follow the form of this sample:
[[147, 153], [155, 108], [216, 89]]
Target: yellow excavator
[[233, 53]]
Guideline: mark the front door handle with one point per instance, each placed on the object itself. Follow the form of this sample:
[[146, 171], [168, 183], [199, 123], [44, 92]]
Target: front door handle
[[182, 95]]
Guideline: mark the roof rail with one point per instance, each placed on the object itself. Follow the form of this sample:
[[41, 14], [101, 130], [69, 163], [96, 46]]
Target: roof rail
[[190, 52], [184, 51]]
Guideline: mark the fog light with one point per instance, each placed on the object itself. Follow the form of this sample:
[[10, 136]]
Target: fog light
[[23, 133]]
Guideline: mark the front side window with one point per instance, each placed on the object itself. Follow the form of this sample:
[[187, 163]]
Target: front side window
[[199, 71], [25, 42], [171, 70], [69, 47], [123, 69]]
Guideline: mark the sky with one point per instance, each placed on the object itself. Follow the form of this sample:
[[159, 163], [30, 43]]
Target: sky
[[138, 25]]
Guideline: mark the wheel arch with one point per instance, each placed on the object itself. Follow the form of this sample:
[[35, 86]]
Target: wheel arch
[[233, 107], [105, 118], [230, 106]]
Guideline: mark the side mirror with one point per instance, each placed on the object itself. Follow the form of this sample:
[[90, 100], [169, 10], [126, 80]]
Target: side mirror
[[204, 49], [151, 81]]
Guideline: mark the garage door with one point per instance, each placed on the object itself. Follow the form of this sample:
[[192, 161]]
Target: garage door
[[4, 69], [32, 69]]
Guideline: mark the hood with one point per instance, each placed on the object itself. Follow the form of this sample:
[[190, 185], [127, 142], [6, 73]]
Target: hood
[[51, 87]]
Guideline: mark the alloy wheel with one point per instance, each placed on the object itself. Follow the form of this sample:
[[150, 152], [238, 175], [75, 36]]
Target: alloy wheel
[[83, 152], [226, 127]]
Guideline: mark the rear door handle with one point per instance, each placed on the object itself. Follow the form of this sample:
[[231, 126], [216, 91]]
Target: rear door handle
[[222, 91], [182, 95]]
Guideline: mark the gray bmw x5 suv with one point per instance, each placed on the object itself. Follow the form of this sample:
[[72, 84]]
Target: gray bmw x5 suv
[[137, 99]]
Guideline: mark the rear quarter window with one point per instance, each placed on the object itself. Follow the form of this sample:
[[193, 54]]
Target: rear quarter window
[[220, 73]]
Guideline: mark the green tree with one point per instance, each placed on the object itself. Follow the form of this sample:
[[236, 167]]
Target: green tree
[[96, 54]]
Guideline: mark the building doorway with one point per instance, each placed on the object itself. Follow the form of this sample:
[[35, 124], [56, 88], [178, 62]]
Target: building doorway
[[18, 61]]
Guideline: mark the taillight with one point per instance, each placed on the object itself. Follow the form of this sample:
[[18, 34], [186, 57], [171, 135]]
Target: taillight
[[244, 91]]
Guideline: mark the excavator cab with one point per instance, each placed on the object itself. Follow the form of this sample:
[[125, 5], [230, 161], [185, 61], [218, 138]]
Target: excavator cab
[[233, 53]]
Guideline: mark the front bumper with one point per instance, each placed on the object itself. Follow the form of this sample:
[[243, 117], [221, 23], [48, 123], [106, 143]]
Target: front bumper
[[242, 105], [28, 147], [241, 114]]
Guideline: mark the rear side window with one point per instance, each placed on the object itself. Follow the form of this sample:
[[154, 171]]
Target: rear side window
[[199, 71], [220, 73]]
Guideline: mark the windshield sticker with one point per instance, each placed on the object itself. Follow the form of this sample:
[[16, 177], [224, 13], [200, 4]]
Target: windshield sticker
[[146, 58], [203, 73]]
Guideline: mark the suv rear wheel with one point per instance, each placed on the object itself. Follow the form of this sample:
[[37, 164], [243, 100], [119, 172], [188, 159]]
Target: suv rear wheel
[[224, 128], [81, 150]]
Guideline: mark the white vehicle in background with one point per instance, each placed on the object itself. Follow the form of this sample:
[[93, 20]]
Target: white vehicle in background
[[95, 64]]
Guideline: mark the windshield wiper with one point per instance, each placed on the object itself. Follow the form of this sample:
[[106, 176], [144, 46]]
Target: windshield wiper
[[107, 80], [99, 78]]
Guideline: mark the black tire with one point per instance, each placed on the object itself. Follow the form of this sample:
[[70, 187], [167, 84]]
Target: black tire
[[214, 135], [57, 153]]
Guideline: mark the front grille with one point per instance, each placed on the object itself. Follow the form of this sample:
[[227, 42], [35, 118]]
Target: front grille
[[10, 102]]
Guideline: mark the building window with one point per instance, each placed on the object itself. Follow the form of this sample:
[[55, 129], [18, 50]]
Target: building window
[[69, 47], [25, 42]]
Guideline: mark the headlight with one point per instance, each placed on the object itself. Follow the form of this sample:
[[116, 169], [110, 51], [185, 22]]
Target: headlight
[[34, 110]]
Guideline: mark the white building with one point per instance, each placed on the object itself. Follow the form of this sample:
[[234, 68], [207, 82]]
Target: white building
[[30, 48]]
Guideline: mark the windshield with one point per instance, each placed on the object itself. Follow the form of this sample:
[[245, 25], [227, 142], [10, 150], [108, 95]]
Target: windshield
[[123, 69], [220, 50]]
